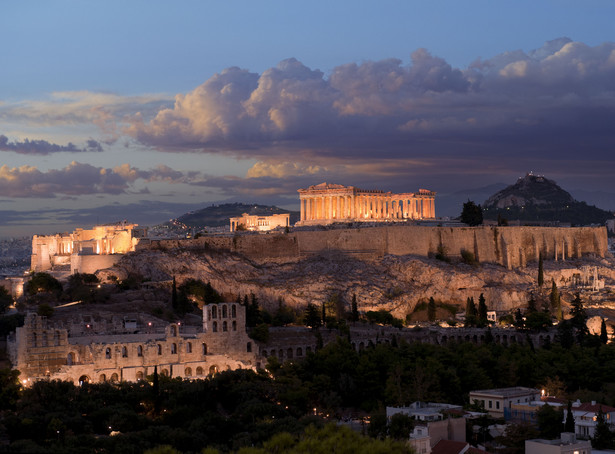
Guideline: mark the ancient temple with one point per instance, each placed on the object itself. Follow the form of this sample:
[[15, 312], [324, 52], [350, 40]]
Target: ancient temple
[[326, 203]]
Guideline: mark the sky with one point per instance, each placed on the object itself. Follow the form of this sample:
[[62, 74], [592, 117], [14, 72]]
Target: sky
[[144, 110]]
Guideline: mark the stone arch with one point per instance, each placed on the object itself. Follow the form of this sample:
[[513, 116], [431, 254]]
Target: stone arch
[[361, 346], [114, 378], [224, 326], [234, 324], [108, 353], [139, 375], [83, 380], [215, 327], [159, 349], [140, 350], [189, 347], [124, 352], [281, 354], [199, 371], [213, 370], [102, 378], [204, 348], [234, 311], [174, 348], [71, 359], [214, 311], [224, 311], [164, 372], [475, 339], [300, 352], [289, 353], [188, 372], [56, 338]]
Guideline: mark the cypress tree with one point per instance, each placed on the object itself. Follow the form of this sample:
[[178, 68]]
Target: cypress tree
[[354, 309], [604, 335], [431, 309], [541, 272], [569, 424], [174, 295], [482, 311]]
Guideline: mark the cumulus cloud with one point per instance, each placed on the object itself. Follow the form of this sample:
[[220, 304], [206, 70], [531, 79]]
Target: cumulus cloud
[[551, 102], [43, 147], [80, 179]]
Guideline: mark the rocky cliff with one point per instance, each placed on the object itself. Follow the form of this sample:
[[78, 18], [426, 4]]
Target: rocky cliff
[[396, 283]]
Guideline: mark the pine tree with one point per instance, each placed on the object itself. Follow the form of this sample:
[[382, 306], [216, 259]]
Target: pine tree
[[431, 309], [604, 335], [311, 316], [579, 318], [531, 304], [541, 272]]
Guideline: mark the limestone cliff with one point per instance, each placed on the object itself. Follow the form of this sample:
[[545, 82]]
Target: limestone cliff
[[396, 283]]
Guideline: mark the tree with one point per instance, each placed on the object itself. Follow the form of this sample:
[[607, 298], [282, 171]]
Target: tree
[[569, 424], [519, 322], [472, 214], [603, 437], [354, 309], [579, 318], [311, 316], [174, 294], [471, 312], [555, 301], [431, 309], [531, 304], [254, 316], [43, 283], [549, 421], [604, 335], [482, 311], [5, 300], [541, 272]]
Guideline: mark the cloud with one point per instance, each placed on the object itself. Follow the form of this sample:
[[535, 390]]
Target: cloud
[[80, 179], [43, 147], [551, 102]]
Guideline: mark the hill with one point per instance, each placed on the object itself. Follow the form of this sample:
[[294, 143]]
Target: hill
[[534, 198], [218, 215]]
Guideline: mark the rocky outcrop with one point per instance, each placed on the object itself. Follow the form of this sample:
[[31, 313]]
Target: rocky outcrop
[[395, 283]]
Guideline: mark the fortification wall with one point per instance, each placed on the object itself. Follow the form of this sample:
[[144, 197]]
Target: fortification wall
[[92, 263], [508, 246]]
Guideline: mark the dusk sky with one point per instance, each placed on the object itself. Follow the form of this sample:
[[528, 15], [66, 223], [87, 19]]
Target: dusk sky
[[143, 110]]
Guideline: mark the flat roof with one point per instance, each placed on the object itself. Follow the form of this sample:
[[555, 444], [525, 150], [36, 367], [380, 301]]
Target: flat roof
[[506, 392]]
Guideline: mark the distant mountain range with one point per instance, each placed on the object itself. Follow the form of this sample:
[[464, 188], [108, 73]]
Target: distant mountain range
[[219, 215], [534, 198]]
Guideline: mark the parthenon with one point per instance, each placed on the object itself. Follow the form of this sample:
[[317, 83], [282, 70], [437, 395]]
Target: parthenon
[[326, 203]]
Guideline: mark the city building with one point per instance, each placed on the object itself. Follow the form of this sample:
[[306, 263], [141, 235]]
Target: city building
[[495, 401], [326, 203], [567, 444]]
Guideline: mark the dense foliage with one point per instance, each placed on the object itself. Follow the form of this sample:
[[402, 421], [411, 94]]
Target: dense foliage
[[241, 408]]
